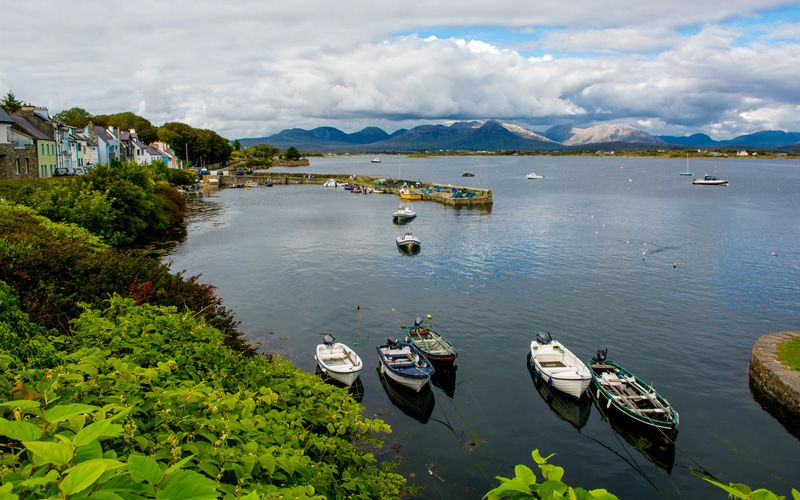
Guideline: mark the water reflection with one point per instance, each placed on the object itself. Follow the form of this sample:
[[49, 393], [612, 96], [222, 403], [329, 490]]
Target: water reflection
[[576, 412], [356, 390], [781, 414], [417, 405], [657, 445], [445, 377]]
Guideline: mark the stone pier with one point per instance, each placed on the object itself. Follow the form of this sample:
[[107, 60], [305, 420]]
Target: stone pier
[[776, 387]]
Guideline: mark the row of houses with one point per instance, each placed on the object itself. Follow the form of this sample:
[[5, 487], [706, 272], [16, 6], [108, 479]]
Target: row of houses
[[32, 144]]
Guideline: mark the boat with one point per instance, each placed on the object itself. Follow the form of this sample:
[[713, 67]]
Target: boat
[[330, 183], [357, 190], [686, 172], [407, 194], [404, 213], [250, 183], [408, 242], [467, 174], [710, 180], [558, 367], [404, 363], [432, 345], [616, 388], [416, 404], [375, 160], [534, 175], [268, 183], [338, 361]]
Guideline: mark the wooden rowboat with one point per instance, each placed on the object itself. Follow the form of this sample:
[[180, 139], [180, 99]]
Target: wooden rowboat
[[404, 363], [558, 367], [432, 345]]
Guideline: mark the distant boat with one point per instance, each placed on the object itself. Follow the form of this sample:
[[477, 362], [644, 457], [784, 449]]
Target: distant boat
[[710, 180], [375, 160], [403, 214], [403, 363], [617, 388], [407, 194], [558, 367], [534, 175], [467, 174], [687, 166], [338, 361]]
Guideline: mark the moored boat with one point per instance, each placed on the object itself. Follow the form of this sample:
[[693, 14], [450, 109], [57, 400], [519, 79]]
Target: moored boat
[[407, 194], [534, 175], [710, 180], [338, 361], [404, 363], [430, 343], [617, 388], [558, 367], [377, 159], [404, 213], [408, 242]]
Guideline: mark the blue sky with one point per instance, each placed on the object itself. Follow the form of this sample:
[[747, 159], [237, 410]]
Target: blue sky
[[252, 68]]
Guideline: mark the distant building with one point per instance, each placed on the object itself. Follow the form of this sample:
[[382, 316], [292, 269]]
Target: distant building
[[742, 153], [107, 143], [17, 150], [167, 154], [44, 144]]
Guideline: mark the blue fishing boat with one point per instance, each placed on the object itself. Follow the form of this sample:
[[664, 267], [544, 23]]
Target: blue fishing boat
[[405, 364]]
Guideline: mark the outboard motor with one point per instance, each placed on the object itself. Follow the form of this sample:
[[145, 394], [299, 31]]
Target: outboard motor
[[543, 337], [328, 338], [418, 322], [392, 341], [600, 357]]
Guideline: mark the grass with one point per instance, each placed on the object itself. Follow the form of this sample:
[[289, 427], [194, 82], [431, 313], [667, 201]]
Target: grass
[[789, 353]]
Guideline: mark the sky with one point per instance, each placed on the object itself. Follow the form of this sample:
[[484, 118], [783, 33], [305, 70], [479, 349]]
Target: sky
[[251, 68]]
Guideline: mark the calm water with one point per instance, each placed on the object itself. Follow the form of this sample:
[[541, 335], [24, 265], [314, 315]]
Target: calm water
[[677, 282]]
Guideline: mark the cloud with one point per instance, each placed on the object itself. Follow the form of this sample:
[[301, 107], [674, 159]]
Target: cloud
[[253, 68]]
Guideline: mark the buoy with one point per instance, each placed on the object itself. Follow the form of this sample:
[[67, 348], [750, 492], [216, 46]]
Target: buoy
[[674, 265], [429, 317], [774, 253], [358, 307]]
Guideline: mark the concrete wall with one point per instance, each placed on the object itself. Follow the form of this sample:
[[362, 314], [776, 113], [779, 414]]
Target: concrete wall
[[18, 163]]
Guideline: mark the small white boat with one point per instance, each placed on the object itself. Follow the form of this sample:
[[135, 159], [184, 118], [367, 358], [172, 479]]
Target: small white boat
[[534, 175], [558, 367], [375, 160], [338, 361], [710, 180], [408, 242], [404, 213], [330, 183]]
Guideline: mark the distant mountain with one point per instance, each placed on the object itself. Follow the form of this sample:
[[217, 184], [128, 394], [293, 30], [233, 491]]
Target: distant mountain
[[494, 135], [610, 132], [694, 140]]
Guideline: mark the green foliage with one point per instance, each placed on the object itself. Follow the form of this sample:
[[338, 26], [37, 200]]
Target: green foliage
[[263, 151], [146, 401], [292, 154], [789, 353], [74, 117], [525, 484], [178, 177], [125, 121], [744, 492], [203, 146], [10, 102], [236, 145]]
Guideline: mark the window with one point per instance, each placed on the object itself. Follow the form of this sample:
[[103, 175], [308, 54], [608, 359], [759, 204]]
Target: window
[[16, 164], [27, 166]]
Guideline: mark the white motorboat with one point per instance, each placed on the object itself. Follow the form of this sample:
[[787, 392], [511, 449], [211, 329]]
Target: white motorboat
[[338, 361], [408, 242], [404, 213], [558, 367], [534, 175], [710, 180], [375, 160], [330, 183]]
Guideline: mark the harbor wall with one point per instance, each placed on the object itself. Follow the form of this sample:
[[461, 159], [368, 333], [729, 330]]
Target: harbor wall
[[775, 386]]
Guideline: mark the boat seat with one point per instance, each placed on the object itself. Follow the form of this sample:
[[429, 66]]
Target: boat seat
[[332, 356], [552, 364], [561, 369]]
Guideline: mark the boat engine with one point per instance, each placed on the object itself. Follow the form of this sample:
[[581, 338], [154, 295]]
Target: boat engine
[[600, 357], [392, 341], [418, 322], [543, 337], [328, 339]]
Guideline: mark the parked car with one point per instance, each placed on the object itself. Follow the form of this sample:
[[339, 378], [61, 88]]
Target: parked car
[[61, 171]]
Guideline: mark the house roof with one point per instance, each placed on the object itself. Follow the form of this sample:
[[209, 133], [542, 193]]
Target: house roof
[[88, 140], [154, 151], [124, 136], [31, 129], [4, 117], [102, 134]]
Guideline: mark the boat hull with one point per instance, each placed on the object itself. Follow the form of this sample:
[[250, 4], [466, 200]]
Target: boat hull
[[559, 368], [405, 365], [432, 345], [339, 362], [411, 196]]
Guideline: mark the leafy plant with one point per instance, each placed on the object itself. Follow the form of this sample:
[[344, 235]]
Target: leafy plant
[[740, 490], [525, 484]]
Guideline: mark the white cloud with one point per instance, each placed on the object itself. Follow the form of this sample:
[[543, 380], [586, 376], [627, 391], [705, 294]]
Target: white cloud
[[252, 68]]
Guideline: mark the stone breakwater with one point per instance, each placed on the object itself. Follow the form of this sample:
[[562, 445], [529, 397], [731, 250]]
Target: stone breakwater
[[776, 387], [481, 197]]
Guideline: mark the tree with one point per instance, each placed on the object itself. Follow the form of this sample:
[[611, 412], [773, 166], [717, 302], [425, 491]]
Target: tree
[[11, 103], [237, 146], [125, 121], [74, 117], [292, 154], [203, 146]]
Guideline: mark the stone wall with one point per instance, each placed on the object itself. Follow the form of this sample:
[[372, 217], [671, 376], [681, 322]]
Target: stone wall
[[776, 387], [9, 155]]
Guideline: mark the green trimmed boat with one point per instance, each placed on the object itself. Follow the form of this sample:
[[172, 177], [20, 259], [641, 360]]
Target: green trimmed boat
[[614, 387], [432, 345]]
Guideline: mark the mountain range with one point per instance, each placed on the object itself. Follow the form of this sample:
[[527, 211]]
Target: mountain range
[[494, 135]]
